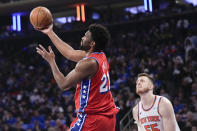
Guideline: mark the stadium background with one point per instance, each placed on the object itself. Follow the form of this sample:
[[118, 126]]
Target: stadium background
[[158, 38]]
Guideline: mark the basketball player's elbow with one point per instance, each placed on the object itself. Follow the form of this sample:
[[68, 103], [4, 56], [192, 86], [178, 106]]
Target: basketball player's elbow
[[64, 86]]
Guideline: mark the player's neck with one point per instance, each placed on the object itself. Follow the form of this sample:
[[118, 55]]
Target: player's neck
[[89, 52], [147, 99]]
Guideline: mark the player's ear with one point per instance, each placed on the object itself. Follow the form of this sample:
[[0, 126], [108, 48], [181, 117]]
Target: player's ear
[[151, 86], [92, 44]]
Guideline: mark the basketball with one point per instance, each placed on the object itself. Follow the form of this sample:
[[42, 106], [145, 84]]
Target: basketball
[[40, 18]]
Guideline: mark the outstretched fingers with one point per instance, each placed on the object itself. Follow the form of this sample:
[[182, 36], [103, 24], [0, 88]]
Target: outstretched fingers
[[43, 49], [39, 51], [50, 49]]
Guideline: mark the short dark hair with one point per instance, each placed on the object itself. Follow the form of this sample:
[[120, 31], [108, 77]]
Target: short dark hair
[[147, 75], [100, 36]]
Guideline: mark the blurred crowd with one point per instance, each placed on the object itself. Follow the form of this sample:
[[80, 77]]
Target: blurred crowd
[[168, 52], [166, 49], [106, 16], [8, 1]]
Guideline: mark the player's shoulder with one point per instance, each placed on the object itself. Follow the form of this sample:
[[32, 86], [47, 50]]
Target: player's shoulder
[[135, 108], [98, 55], [165, 107], [88, 61], [86, 64], [164, 101], [135, 112]]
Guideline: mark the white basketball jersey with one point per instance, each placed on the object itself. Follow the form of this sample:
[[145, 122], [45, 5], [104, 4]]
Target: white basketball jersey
[[150, 119]]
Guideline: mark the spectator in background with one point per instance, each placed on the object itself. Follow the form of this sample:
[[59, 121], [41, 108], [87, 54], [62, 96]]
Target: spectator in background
[[60, 126]]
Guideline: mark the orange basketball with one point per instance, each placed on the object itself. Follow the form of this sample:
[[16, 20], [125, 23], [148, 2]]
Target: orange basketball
[[40, 17]]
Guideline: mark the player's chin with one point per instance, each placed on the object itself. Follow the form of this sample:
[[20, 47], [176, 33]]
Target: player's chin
[[139, 91]]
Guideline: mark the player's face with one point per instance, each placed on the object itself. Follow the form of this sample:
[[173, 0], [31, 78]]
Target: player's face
[[85, 41], [143, 85]]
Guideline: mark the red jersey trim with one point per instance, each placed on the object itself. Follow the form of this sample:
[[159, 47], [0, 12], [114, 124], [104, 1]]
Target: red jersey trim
[[158, 106], [151, 106], [93, 58]]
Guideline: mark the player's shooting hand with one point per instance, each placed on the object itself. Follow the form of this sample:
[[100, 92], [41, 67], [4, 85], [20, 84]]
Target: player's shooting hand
[[47, 30], [49, 56]]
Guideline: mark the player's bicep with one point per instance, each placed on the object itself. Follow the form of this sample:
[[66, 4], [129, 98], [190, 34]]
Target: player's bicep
[[135, 117], [167, 113], [76, 55], [85, 69], [135, 113], [82, 71]]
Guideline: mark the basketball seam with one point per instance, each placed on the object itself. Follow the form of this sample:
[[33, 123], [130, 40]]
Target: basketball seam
[[37, 16], [43, 19]]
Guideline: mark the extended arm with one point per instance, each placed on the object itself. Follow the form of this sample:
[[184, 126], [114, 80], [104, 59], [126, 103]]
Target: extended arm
[[65, 49], [82, 70]]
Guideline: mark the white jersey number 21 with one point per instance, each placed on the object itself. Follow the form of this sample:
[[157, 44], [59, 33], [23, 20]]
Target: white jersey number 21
[[105, 86]]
